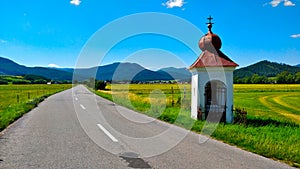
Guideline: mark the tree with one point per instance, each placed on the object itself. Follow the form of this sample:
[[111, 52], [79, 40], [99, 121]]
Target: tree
[[100, 85], [247, 80], [39, 81], [256, 79], [289, 79], [283, 77], [3, 82], [91, 82], [297, 77]]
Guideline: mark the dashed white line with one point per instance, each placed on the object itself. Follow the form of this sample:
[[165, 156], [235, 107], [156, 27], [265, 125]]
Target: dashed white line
[[82, 106], [76, 98], [107, 133]]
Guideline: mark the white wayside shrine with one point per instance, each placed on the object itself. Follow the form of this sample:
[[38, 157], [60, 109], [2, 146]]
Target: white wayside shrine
[[212, 81]]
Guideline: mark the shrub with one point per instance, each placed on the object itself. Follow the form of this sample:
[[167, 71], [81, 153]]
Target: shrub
[[3, 82], [21, 81], [240, 116], [100, 85]]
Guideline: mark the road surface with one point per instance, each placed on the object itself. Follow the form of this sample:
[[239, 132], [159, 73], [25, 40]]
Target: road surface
[[76, 129]]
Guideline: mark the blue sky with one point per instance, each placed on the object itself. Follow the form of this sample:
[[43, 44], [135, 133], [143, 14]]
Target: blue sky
[[54, 32]]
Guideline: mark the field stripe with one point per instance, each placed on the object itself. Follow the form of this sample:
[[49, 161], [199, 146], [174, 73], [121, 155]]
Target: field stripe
[[278, 100], [107, 133], [275, 109]]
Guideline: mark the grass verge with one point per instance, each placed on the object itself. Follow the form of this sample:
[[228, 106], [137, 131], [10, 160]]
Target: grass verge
[[13, 111]]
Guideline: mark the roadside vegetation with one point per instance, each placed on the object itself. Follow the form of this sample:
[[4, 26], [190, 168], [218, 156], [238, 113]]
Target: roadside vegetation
[[16, 100], [29, 79], [284, 77], [266, 72], [271, 127]]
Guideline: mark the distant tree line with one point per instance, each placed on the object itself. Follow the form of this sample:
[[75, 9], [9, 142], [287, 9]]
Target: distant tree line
[[95, 84], [28, 79], [281, 78]]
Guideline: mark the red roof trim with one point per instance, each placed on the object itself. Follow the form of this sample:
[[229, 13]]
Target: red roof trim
[[209, 59]]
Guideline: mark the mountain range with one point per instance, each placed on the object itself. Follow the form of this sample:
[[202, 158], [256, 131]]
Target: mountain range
[[134, 72], [115, 72], [265, 68], [122, 72], [8, 67]]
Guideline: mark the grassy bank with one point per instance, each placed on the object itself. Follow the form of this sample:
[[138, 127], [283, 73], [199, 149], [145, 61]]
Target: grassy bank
[[272, 127], [16, 100]]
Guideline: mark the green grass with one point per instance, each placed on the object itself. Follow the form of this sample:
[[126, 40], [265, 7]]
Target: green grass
[[279, 102], [278, 142], [16, 100], [272, 128]]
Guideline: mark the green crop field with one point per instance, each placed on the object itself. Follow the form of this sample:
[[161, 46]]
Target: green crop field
[[15, 100], [273, 119], [279, 102]]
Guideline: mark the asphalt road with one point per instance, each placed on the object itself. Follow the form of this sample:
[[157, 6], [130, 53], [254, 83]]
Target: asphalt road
[[76, 129]]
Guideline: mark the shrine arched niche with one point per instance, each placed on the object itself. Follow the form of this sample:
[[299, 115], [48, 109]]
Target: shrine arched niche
[[215, 101]]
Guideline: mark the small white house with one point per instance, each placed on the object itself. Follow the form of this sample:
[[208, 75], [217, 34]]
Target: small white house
[[212, 81]]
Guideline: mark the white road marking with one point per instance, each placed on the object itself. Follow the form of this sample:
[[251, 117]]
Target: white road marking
[[76, 98], [82, 106], [107, 133]]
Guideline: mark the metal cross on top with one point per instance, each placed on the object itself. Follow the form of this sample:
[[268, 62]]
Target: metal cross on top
[[209, 24]]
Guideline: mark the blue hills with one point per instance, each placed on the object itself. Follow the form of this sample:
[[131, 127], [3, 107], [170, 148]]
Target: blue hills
[[134, 72], [115, 72]]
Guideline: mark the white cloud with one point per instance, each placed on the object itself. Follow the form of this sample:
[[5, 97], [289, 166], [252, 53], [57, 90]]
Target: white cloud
[[53, 65], [75, 2], [174, 3], [288, 3], [295, 36], [275, 3]]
